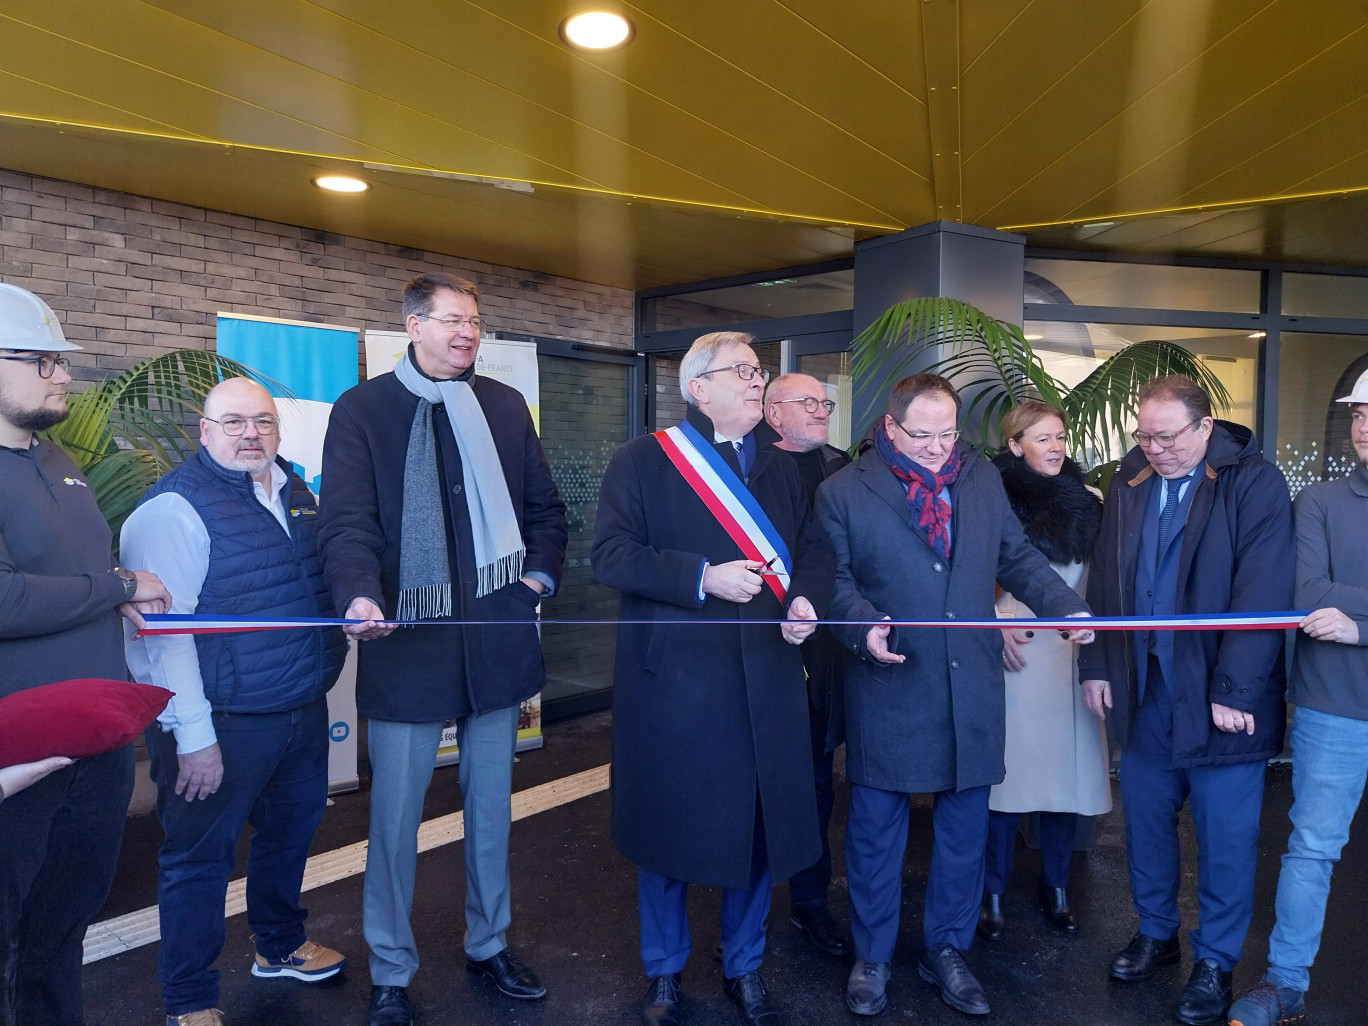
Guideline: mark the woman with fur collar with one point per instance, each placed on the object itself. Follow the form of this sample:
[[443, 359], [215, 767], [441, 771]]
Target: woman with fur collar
[[1056, 751]]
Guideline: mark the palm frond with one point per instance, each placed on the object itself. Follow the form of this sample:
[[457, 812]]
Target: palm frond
[[990, 360]]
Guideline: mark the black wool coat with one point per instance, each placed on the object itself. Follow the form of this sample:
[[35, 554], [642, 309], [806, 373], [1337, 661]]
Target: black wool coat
[[423, 674], [937, 721], [707, 718], [1238, 555]]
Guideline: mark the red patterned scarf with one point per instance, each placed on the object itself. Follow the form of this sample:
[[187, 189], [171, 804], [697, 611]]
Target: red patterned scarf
[[930, 512]]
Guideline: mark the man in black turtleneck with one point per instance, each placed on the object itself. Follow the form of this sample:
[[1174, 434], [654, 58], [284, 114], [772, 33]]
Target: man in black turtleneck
[[797, 407]]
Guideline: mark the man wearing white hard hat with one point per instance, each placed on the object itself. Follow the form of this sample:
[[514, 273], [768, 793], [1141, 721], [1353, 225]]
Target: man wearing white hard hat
[[60, 600], [1329, 733]]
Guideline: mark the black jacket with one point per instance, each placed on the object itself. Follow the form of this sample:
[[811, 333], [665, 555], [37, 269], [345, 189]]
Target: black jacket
[[1237, 556], [422, 674]]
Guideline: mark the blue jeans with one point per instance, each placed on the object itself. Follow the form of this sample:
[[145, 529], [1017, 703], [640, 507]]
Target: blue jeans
[[275, 776], [59, 846], [1329, 766]]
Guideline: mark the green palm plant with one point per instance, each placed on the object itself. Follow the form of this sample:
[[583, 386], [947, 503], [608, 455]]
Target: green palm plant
[[126, 432], [992, 363]]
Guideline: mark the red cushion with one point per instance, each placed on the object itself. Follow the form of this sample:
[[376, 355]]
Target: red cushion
[[76, 718]]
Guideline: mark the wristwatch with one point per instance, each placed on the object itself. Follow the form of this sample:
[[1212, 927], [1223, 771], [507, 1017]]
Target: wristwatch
[[130, 582]]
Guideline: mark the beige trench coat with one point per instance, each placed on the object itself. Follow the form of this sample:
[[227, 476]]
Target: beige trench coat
[[1056, 749]]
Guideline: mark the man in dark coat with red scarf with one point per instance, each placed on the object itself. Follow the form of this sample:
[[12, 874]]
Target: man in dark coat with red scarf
[[712, 777], [922, 529]]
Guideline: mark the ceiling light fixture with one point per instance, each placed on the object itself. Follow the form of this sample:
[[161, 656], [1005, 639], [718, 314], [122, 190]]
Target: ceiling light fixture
[[598, 31], [1032, 338], [1259, 334], [341, 183], [1099, 224]]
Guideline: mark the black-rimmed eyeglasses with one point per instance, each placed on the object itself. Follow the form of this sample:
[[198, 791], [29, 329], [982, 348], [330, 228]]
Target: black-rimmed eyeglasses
[[47, 365], [744, 371], [234, 426], [810, 403]]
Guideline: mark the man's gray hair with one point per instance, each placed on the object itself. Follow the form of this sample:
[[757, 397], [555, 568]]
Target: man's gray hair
[[701, 354]]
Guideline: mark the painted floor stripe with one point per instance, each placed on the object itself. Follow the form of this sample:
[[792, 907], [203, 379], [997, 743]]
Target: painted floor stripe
[[136, 929]]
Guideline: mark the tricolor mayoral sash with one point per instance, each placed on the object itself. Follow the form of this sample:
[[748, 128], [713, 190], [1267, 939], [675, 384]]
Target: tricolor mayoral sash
[[728, 499]]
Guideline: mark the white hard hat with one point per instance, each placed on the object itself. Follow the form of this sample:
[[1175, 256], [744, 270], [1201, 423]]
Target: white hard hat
[[28, 324], [1360, 392]]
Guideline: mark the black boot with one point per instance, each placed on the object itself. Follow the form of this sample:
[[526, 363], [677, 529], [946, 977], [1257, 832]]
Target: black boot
[[991, 925], [1054, 902]]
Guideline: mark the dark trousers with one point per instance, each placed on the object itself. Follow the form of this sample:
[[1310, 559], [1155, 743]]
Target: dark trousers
[[810, 886], [275, 776], [876, 840], [1057, 831], [663, 909], [1226, 802], [59, 847]]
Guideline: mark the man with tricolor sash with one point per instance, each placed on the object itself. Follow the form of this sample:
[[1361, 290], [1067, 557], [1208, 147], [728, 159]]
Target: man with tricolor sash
[[1196, 522], [706, 532]]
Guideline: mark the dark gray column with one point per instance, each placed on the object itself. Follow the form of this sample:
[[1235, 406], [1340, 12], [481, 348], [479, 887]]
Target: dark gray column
[[977, 265]]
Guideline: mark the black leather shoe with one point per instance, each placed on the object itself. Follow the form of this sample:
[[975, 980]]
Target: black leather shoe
[[509, 975], [390, 1007], [991, 925], [1054, 902], [1206, 998], [959, 989], [660, 1006], [1142, 957], [815, 922], [751, 998]]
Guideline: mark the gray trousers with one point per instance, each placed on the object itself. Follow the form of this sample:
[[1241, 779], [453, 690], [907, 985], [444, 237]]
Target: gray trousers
[[402, 758]]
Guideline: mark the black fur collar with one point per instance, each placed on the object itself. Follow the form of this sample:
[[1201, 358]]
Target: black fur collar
[[1060, 516]]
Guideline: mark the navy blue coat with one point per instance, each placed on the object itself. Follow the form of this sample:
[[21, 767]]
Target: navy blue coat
[[706, 716], [423, 674], [1237, 555], [937, 721]]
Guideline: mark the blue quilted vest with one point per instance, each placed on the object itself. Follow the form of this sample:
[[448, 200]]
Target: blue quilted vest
[[256, 569]]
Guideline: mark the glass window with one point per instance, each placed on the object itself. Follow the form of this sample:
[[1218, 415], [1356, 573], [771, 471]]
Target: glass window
[[765, 300], [583, 421], [1072, 351], [1147, 286], [1313, 429], [1325, 295], [833, 371]]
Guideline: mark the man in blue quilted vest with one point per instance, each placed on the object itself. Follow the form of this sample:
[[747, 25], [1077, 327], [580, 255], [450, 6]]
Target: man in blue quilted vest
[[246, 737]]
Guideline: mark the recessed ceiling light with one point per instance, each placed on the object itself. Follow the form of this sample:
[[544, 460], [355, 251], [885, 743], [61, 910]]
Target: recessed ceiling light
[[1099, 224], [1259, 334], [597, 31], [1032, 338], [341, 183]]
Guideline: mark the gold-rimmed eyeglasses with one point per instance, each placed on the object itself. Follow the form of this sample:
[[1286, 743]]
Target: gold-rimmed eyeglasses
[[1166, 439], [454, 323]]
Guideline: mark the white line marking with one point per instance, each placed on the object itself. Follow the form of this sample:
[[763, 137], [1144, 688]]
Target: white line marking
[[136, 929]]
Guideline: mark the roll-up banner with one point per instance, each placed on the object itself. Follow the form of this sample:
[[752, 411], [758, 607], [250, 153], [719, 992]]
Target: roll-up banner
[[515, 364], [317, 363]]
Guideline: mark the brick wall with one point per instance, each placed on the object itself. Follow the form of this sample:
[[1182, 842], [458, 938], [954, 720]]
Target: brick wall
[[132, 277]]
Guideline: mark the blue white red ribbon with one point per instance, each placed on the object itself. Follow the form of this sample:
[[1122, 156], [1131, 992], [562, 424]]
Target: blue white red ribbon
[[196, 623]]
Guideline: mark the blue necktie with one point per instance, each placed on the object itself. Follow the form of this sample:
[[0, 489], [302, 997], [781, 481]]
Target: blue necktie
[[743, 458], [1166, 516]]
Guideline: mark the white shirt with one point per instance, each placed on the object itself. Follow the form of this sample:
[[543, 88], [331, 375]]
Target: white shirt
[[167, 537]]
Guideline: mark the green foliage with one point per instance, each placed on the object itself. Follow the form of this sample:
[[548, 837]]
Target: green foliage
[[995, 368], [126, 432]]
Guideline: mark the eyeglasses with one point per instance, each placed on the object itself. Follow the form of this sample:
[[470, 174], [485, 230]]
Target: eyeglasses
[[744, 371], [47, 365], [454, 323], [234, 426], [810, 403], [922, 439], [1167, 440]]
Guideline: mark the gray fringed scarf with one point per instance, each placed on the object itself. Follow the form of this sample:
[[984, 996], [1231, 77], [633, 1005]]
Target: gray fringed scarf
[[424, 575]]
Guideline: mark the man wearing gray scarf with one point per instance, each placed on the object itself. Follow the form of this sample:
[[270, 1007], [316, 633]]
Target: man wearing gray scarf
[[438, 504]]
